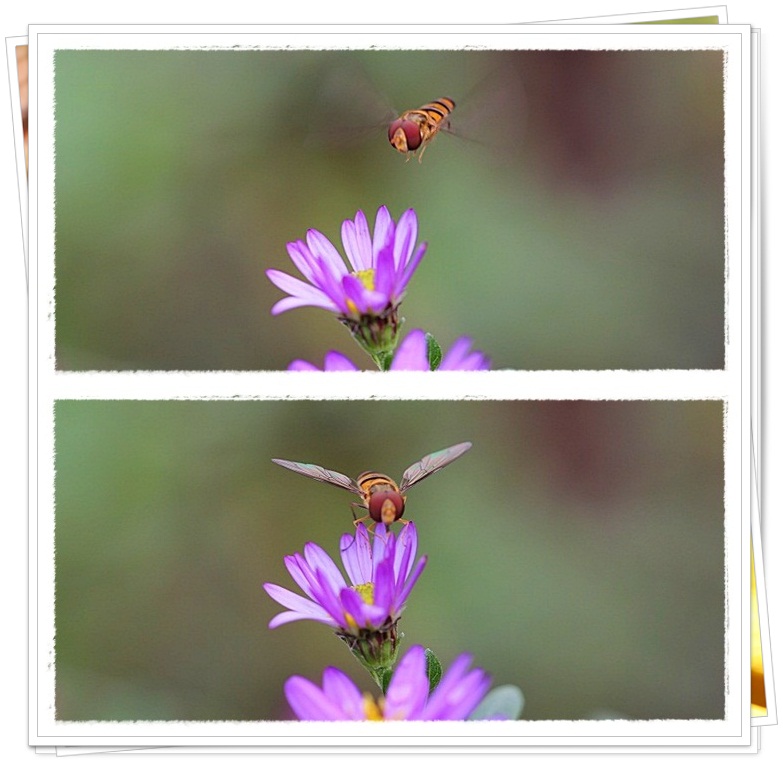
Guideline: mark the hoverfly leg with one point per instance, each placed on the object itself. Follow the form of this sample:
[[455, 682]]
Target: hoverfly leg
[[362, 520], [356, 520]]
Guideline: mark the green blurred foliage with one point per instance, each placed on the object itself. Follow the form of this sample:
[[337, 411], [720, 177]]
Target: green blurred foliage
[[577, 551], [577, 222]]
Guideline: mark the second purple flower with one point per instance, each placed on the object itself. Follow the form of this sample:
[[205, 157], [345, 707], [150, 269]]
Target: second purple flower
[[408, 698]]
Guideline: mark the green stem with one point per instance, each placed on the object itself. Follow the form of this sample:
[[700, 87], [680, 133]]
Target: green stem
[[383, 359], [382, 676]]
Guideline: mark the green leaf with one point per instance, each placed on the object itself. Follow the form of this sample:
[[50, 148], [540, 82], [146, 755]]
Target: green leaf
[[434, 669], [434, 353], [504, 702]]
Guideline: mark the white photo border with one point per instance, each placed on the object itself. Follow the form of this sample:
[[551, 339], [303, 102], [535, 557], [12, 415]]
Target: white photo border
[[732, 385]]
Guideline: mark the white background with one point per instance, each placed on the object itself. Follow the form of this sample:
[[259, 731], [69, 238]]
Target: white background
[[13, 408]]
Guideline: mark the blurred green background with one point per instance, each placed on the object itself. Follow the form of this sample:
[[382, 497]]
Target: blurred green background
[[577, 551], [577, 222]]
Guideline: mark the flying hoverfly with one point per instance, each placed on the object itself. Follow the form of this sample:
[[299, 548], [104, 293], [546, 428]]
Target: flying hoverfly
[[383, 499], [353, 111], [416, 128]]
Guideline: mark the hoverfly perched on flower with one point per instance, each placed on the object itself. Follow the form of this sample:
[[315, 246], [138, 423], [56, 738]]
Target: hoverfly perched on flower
[[383, 499], [416, 128]]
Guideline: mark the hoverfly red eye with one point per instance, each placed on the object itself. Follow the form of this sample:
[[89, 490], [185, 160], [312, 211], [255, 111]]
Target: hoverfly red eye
[[393, 127], [386, 506], [404, 135]]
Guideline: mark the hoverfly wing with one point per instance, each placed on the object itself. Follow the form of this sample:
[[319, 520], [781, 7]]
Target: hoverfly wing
[[432, 463], [494, 112], [350, 109], [321, 474]]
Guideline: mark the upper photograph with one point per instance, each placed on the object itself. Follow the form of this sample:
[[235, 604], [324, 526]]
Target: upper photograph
[[274, 210]]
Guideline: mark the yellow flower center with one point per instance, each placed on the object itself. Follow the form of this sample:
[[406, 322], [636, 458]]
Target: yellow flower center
[[373, 709], [366, 592], [366, 278]]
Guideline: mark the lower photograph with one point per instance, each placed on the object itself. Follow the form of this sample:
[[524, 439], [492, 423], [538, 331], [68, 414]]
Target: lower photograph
[[389, 560]]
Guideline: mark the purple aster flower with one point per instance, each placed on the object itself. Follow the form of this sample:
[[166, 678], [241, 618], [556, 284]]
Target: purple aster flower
[[407, 698], [366, 294], [412, 354], [364, 611], [334, 361]]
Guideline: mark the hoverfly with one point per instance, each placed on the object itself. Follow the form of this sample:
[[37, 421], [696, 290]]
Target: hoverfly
[[417, 127], [383, 499]]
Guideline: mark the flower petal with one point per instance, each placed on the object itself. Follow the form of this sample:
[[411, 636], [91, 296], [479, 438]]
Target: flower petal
[[383, 235], [290, 615], [357, 556], [331, 285], [459, 357], [356, 293], [409, 687], [405, 238], [410, 268], [301, 573], [308, 701], [336, 362], [357, 242], [298, 606], [405, 553], [464, 698], [300, 365], [384, 588], [365, 615], [304, 293], [364, 300], [344, 694], [412, 353], [402, 562], [303, 259], [323, 250], [410, 582], [329, 599], [292, 302], [383, 539], [319, 559], [458, 692], [386, 274]]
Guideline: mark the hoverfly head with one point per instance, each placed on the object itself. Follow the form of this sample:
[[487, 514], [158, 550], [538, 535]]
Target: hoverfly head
[[404, 135], [386, 507]]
